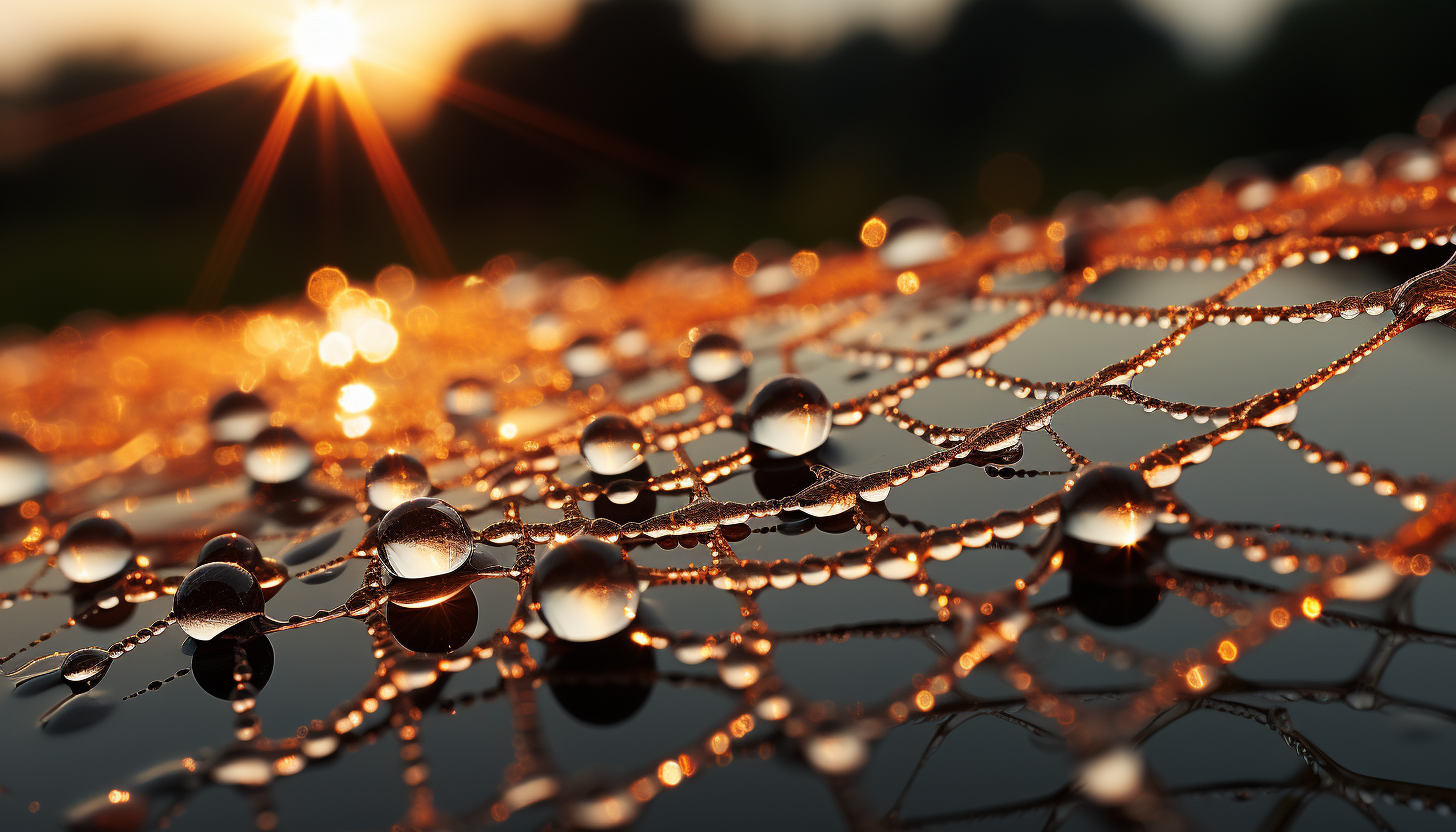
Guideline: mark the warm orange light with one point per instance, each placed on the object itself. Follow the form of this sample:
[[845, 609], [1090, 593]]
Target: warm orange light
[[873, 232], [324, 39], [1197, 678], [908, 283], [1279, 617], [1227, 650], [1311, 607]]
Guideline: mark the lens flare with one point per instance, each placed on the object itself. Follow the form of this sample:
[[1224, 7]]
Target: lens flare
[[324, 39]]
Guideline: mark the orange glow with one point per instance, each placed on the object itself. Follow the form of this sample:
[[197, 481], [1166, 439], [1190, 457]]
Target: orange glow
[[324, 39], [745, 264], [1420, 565], [670, 773], [419, 234], [925, 700], [326, 284], [1227, 650], [873, 232], [1311, 607], [219, 267], [1279, 617], [908, 283], [1197, 678], [804, 264]]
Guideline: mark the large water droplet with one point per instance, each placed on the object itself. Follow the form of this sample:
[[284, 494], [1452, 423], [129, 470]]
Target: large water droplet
[[438, 628], [277, 455], [214, 598], [24, 471], [231, 548], [587, 589], [395, 478], [1428, 295], [85, 666], [1110, 505], [915, 233], [715, 357], [836, 751], [586, 357], [94, 549], [611, 444], [424, 537], [214, 662], [789, 414], [238, 417], [468, 397], [602, 682]]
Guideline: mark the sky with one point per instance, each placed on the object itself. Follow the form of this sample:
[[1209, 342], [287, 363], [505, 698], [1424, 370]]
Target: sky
[[430, 37]]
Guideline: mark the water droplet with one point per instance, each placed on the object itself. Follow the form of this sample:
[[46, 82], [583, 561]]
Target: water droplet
[[1113, 777], [916, 233], [586, 357], [214, 662], [395, 478], [789, 414], [740, 668], [1428, 295], [437, 628], [601, 682], [86, 665], [24, 471], [836, 751], [715, 357], [237, 417], [424, 537], [215, 597], [587, 589], [611, 444], [468, 397], [277, 455], [94, 549], [1110, 505], [631, 342], [231, 548]]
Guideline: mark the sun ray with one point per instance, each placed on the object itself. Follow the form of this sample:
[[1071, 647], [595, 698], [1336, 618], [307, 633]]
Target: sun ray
[[419, 234], [224, 255], [68, 121]]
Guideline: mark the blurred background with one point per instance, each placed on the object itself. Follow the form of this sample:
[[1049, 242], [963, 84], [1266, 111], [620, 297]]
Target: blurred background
[[694, 125]]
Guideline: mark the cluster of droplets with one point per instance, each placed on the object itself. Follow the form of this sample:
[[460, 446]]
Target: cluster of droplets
[[536, 407]]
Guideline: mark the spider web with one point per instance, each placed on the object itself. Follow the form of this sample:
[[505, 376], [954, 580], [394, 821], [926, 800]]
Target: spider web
[[1092, 654]]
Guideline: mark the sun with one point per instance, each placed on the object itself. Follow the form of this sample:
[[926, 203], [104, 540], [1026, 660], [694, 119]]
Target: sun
[[324, 39]]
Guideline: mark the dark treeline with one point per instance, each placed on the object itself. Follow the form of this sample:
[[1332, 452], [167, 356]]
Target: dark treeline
[[1101, 100]]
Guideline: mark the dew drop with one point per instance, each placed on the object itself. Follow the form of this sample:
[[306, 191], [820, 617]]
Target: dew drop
[[586, 357], [237, 417], [231, 548], [215, 597], [1110, 505], [277, 455], [611, 444], [836, 751], [587, 589], [916, 233], [424, 537], [715, 357], [789, 414], [85, 665], [94, 549], [1427, 296], [468, 397], [395, 478], [740, 668], [24, 471]]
